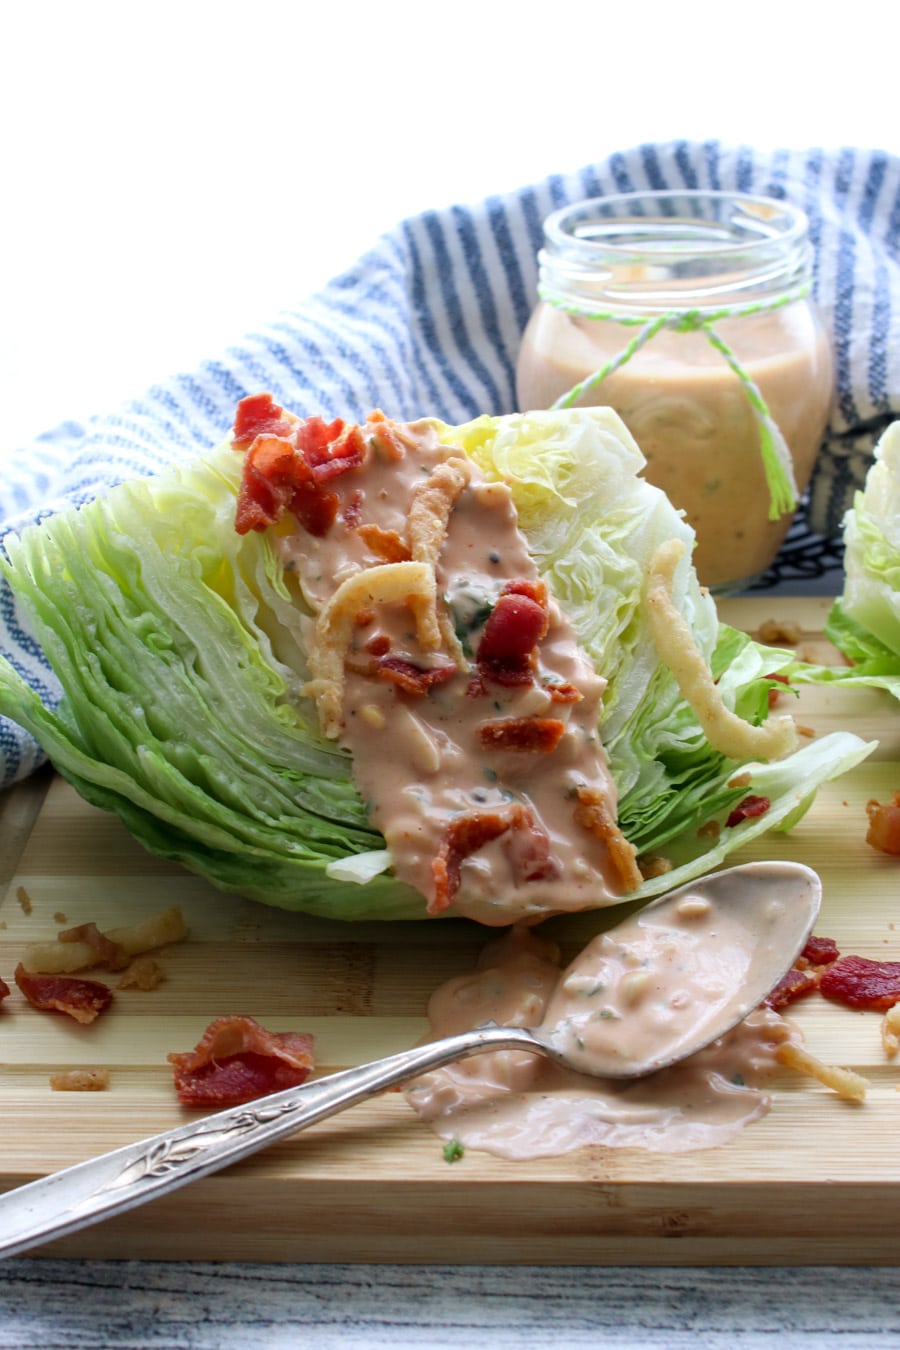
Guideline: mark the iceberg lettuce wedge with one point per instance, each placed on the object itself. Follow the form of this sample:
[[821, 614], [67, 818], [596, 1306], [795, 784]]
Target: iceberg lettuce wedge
[[864, 623], [179, 646]]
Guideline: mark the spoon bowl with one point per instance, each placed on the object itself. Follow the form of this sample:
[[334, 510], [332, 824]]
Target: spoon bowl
[[765, 911]]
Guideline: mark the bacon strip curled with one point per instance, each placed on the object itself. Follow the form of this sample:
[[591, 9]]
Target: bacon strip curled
[[237, 1060]]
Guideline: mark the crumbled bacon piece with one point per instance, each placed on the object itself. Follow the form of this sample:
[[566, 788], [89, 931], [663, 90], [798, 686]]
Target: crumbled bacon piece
[[385, 544], [385, 438], [522, 733], [794, 984], [470, 831], [268, 482], [377, 645], [884, 825], [747, 809], [861, 983], [144, 974], [819, 951], [328, 449], [259, 415], [413, 679], [564, 693], [237, 1060], [774, 694], [316, 510], [83, 1000], [514, 627], [352, 512], [286, 469], [110, 954]]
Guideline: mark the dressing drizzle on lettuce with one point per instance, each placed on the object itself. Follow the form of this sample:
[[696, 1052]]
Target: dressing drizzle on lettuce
[[181, 649]]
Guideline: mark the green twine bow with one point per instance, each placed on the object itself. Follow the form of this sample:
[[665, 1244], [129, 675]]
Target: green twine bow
[[777, 462]]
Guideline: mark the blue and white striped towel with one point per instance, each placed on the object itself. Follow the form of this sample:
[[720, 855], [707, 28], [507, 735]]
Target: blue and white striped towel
[[429, 322]]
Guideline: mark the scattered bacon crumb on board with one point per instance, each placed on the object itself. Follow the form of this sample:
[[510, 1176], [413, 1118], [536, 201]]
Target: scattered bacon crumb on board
[[82, 1000], [884, 825], [777, 633], [237, 1060], [80, 1080]]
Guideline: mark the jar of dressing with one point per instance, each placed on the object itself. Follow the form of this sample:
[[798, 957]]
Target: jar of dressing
[[690, 314]]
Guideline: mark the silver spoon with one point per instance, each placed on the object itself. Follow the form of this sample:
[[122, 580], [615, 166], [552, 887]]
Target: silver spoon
[[785, 895]]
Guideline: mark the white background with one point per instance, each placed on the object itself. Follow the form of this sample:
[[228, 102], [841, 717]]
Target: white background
[[173, 173]]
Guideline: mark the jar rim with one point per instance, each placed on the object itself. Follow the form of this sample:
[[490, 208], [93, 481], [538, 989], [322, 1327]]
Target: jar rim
[[772, 219], [676, 248]]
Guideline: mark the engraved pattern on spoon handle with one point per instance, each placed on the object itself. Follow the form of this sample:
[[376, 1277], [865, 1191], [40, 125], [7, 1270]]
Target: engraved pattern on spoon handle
[[114, 1182]]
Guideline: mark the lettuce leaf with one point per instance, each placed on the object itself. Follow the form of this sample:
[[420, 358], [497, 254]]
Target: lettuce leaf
[[864, 623], [180, 649]]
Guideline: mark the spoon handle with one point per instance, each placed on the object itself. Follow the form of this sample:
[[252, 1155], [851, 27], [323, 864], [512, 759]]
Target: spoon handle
[[114, 1182]]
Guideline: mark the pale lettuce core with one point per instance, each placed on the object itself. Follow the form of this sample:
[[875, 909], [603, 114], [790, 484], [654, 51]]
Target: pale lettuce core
[[179, 646]]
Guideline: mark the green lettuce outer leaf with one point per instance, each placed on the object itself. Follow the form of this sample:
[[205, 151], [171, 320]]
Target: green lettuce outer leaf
[[864, 623], [179, 646]]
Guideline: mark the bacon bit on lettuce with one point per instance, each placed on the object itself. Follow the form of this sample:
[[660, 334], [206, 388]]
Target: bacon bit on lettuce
[[514, 627], [412, 679], [747, 809], [271, 475], [83, 1000], [470, 831], [522, 733], [286, 464], [237, 1060], [775, 693], [860, 983], [884, 825], [259, 415]]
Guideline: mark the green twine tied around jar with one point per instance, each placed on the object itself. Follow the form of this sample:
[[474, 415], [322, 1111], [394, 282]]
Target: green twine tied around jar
[[776, 457]]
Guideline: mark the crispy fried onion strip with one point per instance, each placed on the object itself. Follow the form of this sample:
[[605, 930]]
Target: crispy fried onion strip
[[410, 583], [594, 815], [848, 1084], [429, 515], [676, 648]]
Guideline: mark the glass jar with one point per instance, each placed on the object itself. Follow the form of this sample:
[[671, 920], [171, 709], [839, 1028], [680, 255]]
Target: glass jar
[[690, 314]]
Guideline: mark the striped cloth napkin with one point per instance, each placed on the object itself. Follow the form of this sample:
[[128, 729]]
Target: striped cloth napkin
[[429, 321]]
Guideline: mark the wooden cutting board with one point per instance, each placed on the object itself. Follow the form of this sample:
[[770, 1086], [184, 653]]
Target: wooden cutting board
[[816, 1181]]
